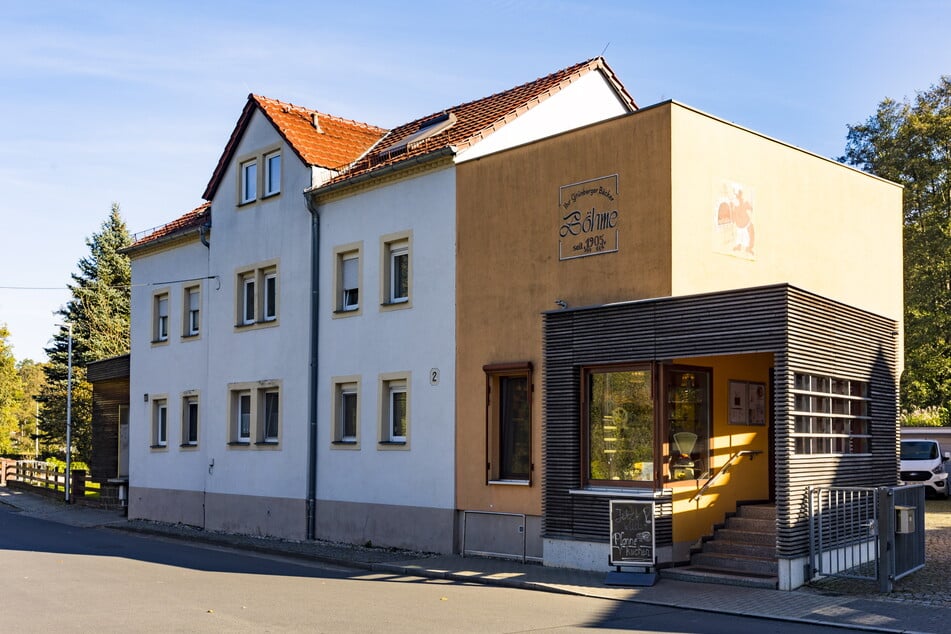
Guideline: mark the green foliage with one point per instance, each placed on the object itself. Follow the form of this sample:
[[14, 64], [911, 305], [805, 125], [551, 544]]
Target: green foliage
[[11, 395], [99, 314], [926, 417], [32, 379], [910, 143]]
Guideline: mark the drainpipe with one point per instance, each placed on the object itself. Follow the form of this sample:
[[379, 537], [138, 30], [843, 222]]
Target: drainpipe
[[312, 396]]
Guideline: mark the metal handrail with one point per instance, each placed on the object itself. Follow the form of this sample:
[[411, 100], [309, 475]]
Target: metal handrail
[[739, 454]]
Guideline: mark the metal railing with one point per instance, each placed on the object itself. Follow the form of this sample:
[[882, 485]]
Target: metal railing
[[726, 466]]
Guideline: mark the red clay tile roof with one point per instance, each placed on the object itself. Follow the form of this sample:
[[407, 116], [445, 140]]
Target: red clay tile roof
[[190, 221], [477, 119], [335, 142]]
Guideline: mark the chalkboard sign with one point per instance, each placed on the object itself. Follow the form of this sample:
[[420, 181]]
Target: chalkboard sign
[[632, 533]]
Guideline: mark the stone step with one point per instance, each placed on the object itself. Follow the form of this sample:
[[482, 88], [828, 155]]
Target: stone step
[[757, 511], [754, 525], [736, 563], [746, 537], [739, 548], [702, 575]]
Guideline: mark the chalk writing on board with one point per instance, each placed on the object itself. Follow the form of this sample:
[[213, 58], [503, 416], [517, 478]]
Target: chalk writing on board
[[632, 532]]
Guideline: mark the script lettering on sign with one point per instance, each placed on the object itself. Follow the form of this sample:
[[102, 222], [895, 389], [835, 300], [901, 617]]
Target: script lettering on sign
[[588, 212], [632, 532]]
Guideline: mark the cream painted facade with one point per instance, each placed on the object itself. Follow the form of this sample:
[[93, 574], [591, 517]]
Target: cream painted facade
[[667, 169]]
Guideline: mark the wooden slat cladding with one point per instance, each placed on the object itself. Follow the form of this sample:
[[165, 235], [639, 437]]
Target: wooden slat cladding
[[804, 332], [110, 379], [829, 338]]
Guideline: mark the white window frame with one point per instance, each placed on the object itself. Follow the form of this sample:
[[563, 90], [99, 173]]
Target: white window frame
[[250, 400], [160, 328], [394, 246], [191, 321], [272, 186], [344, 387], [269, 299], [248, 181], [343, 306], [159, 407], [257, 289], [267, 435], [190, 400], [392, 384]]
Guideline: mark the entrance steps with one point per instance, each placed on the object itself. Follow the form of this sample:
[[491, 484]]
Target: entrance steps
[[741, 553]]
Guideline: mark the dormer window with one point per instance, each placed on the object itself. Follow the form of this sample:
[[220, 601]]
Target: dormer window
[[427, 129]]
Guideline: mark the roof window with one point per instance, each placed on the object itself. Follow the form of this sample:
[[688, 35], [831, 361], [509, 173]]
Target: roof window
[[427, 129]]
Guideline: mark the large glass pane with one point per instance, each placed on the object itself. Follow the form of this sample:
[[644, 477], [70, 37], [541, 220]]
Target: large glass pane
[[620, 426], [515, 428], [688, 423]]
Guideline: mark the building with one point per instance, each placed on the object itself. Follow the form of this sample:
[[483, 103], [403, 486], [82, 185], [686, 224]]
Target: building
[[690, 297], [109, 465], [476, 330]]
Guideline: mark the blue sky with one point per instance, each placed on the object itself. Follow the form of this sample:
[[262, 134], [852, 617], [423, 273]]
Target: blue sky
[[133, 102]]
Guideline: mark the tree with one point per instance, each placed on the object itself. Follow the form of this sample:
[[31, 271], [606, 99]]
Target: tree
[[32, 379], [910, 143], [11, 394], [99, 314]]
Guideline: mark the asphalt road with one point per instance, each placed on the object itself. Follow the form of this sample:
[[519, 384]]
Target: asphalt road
[[62, 578]]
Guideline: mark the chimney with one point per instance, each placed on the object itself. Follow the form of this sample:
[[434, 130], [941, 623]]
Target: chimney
[[317, 123]]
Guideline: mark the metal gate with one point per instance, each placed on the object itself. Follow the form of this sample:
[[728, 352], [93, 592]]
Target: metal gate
[[843, 532], [874, 534]]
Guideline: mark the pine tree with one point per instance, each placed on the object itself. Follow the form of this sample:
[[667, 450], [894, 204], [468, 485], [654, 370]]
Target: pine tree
[[99, 314]]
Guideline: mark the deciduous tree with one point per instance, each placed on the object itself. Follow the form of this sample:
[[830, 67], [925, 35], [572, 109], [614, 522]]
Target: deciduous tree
[[909, 142]]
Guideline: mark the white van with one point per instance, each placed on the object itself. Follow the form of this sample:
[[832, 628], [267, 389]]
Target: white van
[[922, 463]]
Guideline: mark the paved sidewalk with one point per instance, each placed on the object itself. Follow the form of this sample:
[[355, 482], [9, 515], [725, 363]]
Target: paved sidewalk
[[863, 612]]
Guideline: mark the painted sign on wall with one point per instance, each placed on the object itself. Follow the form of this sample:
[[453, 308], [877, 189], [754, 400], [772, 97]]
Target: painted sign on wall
[[588, 212], [733, 228]]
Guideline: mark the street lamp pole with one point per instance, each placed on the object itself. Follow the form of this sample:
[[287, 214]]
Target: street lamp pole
[[69, 411]]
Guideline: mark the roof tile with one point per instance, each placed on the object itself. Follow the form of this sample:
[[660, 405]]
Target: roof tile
[[192, 220]]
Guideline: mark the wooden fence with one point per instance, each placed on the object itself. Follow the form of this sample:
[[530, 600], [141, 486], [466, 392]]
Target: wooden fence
[[45, 475]]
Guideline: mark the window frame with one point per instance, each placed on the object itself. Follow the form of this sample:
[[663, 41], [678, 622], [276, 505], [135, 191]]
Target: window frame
[[159, 420], [342, 254], [160, 320], [392, 383], [255, 395], [269, 185], [191, 317], [495, 428], [343, 386], [840, 426], [248, 181], [189, 400], [257, 295], [392, 246], [662, 475]]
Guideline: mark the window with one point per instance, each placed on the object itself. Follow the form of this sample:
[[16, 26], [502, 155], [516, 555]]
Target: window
[[160, 319], [634, 436], [394, 410], [255, 414], [249, 181], [257, 292], [347, 280], [272, 173], [509, 422], [396, 268], [247, 299], [270, 295], [271, 410], [159, 423], [346, 411], [242, 418], [831, 415], [192, 304], [189, 421]]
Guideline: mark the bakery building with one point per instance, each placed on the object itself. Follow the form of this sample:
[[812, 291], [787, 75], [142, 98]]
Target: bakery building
[[666, 306]]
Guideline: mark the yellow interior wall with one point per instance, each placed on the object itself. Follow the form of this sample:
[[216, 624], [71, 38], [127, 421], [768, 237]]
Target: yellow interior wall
[[746, 480]]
